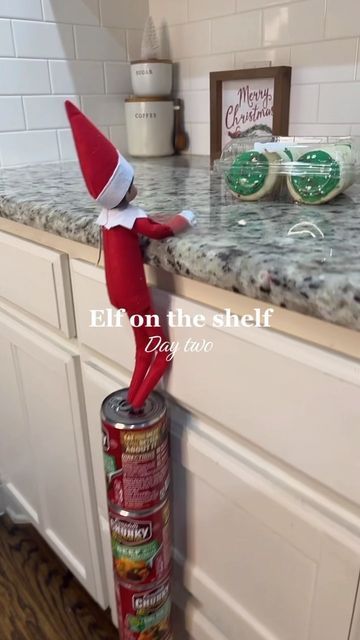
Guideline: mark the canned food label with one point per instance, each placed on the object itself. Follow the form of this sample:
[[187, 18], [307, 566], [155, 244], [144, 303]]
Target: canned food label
[[146, 552], [141, 545], [136, 460], [141, 623], [131, 532], [142, 442], [144, 614], [150, 600]]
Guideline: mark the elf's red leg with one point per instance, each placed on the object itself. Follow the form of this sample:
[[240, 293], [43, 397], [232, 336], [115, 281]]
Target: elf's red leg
[[156, 370], [142, 361]]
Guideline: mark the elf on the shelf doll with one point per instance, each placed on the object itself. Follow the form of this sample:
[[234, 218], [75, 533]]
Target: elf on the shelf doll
[[110, 181]]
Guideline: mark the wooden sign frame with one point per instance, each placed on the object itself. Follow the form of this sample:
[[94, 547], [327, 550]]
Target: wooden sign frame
[[281, 106]]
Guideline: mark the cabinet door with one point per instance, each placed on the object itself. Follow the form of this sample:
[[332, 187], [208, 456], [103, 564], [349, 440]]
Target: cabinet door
[[99, 383], [49, 432], [17, 461]]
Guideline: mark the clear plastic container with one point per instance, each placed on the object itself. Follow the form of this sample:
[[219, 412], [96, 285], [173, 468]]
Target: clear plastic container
[[306, 170]]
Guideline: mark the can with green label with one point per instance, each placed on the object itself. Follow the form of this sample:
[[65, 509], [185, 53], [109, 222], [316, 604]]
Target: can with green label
[[144, 612], [141, 544]]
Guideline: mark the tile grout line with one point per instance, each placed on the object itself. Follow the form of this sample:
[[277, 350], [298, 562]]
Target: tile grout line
[[357, 61]]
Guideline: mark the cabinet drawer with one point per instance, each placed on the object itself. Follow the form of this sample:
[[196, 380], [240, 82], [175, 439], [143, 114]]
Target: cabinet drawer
[[37, 280]]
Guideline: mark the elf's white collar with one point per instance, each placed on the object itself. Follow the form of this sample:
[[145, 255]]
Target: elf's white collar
[[110, 218]]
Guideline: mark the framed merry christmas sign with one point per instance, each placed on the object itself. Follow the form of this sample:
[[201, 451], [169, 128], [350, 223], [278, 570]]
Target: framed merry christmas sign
[[248, 102]]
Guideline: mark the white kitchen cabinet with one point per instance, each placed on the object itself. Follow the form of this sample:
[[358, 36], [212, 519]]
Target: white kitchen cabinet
[[16, 455], [44, 447], [256, 562]]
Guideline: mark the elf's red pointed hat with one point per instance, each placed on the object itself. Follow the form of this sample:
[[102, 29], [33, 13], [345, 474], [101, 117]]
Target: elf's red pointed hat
[[107, 174]]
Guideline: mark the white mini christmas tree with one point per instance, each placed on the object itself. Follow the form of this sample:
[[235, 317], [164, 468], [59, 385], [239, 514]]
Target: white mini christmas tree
[[150, 46]]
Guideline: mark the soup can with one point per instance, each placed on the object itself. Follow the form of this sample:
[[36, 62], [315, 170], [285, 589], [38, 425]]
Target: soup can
[[144, 614], [141, 544], [136, 452]]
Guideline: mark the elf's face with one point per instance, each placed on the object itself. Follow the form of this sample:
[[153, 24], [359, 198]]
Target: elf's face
[[132, 193]]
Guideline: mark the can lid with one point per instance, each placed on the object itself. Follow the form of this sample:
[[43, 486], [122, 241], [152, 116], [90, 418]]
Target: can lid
[[118, 512], [116, 411], [146, 588]]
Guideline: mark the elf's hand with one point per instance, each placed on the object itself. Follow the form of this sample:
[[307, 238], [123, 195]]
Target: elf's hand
[[182, 221]]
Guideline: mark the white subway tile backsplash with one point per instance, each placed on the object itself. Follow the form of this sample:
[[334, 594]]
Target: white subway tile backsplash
[[304, 103], [119, 138], [47, 112], [198, 106], [342, 18], [319, 129], [105, 110], [189, 40], [171, 11], [27, 9], [236, 32], [117, 77], [298, 22], [27, 147], [54, 49], [205, 9], [200, 139], [43, 40], [11, 114], [124, 13], [6, 41], [72, 11], [248, 5], [340, 102], [21, 77], [200, 68], [76, 77], [66, 145], [328, 61], [95, 43], [277, 56], [181, 75]]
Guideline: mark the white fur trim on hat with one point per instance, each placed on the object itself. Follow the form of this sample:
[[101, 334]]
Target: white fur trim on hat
[[118, 185]]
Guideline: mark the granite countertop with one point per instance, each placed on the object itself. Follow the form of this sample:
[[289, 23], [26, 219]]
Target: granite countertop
[[304, 258]]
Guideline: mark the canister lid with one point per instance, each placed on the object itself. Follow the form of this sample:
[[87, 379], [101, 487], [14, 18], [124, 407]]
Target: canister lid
[[148, 99], [116, 411], [151, 60]]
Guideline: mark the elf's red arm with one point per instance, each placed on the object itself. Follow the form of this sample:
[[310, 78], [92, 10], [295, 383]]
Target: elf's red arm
[[157, 230]]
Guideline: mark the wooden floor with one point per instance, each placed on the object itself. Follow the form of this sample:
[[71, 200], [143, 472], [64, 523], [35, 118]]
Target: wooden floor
[[39, 598]]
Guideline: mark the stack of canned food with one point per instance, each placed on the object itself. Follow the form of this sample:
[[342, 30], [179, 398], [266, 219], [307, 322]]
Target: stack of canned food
[[137, 466]]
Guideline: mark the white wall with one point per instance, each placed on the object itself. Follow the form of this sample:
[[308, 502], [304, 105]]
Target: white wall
[[54, 49], [318, 38]]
